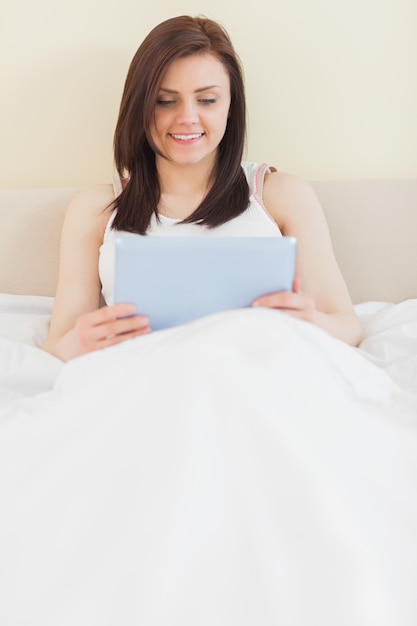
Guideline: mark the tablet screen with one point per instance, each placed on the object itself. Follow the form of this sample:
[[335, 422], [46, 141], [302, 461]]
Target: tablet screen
[[175, 280]]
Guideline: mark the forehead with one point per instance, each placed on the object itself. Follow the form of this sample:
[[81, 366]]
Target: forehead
[[197, 70]]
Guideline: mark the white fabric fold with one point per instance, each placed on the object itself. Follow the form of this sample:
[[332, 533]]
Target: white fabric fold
[[243, 469]]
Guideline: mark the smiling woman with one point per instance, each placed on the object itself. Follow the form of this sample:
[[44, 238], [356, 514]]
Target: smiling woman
[[190, 65], [190, 120], [247, 467], [178, 149]]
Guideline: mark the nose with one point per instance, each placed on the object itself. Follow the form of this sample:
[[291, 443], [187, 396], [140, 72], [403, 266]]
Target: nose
[[187, 112]]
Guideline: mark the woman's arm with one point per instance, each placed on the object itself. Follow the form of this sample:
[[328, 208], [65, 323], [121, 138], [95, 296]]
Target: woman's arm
[[78, 324], [320, 294]]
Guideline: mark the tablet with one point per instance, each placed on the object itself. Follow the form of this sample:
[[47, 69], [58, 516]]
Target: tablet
[[175, 280]]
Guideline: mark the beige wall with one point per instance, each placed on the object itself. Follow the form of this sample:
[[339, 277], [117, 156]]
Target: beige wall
[[332, 85]]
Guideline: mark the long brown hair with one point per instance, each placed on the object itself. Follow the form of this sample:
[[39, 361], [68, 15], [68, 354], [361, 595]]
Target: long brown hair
[[229, 194]]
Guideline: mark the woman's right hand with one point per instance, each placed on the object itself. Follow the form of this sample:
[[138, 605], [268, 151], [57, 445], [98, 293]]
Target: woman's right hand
[[100, 329]]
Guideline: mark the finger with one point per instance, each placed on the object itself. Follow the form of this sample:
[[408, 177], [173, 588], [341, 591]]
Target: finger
[[113, 312], [295, 304], [95, 327], [120, 326], [296, 287], [90, 341], [113, 340], [280, 300]]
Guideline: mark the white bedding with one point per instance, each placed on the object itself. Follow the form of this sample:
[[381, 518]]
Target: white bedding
[[243, 469], [25, 369], [390, 342]]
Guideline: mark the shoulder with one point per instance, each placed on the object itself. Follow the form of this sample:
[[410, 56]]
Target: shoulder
[[92, 199], [289, 198], [280, 186], [90, 208]]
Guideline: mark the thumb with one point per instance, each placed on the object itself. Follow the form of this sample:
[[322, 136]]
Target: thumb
[[296, 286]]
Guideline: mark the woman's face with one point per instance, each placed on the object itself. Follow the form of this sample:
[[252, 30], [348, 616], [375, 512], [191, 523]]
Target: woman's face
[[192, 110]]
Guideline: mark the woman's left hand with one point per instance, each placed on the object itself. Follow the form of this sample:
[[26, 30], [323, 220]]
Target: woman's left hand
[[294, 302]]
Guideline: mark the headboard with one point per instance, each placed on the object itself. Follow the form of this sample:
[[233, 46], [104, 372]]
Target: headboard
[[373, 225]]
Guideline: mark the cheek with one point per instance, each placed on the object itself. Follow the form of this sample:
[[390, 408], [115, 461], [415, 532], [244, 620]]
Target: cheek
[[153, 126], [222, 121], [159, 120], [226, 113], [215, 119]]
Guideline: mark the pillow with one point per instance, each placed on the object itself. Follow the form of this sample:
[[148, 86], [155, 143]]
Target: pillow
[[25, 370], [390, 341], [25, 318]]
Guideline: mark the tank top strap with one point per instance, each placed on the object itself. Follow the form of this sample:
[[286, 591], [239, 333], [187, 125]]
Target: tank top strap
[[263, 169], [255, 175]]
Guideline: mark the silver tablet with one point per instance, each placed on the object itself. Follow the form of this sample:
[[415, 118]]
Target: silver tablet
[[174, 280]]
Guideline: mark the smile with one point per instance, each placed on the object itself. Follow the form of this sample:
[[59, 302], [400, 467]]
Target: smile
[[187, 137]]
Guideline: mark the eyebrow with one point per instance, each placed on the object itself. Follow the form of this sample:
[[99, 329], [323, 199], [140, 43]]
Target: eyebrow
[[199, 90]]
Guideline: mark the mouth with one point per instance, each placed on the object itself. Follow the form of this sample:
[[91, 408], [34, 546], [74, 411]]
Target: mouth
[[186, 138]]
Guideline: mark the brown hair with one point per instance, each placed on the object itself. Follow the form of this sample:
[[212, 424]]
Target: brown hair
[[229, 195]]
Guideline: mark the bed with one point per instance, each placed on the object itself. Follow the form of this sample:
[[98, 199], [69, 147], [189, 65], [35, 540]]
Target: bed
[[136, 485]]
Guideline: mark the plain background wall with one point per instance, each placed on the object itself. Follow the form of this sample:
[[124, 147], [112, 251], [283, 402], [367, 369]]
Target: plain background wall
[[331, 84]]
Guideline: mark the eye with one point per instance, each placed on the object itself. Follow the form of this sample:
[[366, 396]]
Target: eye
[[165, 103], [207, 100]]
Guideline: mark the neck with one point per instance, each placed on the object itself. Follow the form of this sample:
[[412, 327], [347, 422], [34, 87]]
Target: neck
[[183, 187]]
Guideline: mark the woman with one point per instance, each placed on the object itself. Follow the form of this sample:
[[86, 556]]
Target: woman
[[178, 149], [233, 471]]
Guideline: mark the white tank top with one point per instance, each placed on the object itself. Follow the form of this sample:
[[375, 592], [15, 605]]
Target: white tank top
[[254, 222]]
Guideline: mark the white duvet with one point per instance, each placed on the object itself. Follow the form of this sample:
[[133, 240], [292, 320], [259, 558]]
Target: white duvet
[[243, 469]]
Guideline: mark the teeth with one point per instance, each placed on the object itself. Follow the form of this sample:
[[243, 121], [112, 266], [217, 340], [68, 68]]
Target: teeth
[[187, 137]]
